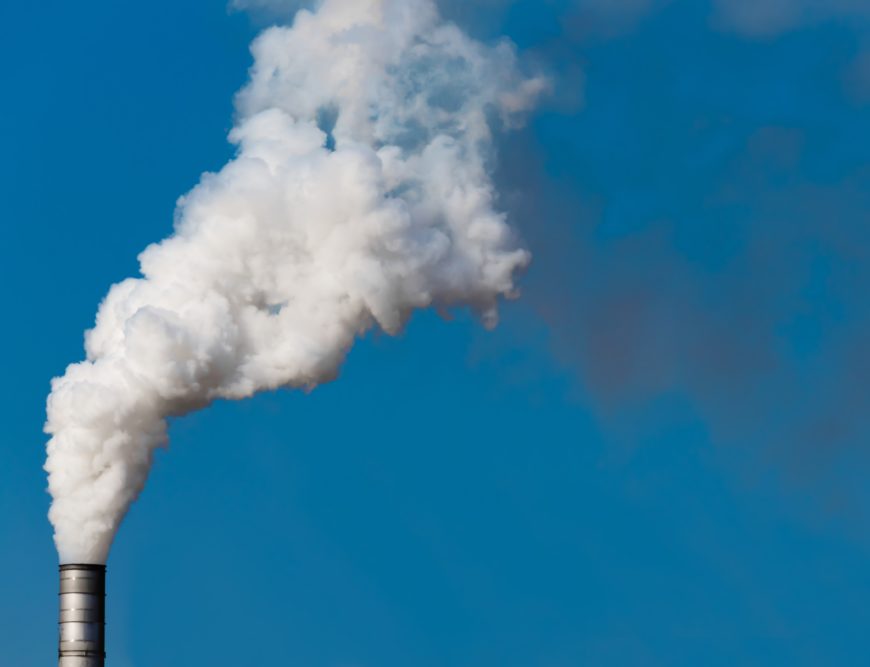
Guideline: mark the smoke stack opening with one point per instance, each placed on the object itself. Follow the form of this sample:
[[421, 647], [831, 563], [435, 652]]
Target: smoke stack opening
[[82, 616]]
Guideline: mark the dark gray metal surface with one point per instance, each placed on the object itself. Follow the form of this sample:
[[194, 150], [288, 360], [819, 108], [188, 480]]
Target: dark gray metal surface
[[82, 616]]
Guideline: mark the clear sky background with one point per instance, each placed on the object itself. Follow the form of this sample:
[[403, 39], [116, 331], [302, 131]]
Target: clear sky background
[[659, 458]]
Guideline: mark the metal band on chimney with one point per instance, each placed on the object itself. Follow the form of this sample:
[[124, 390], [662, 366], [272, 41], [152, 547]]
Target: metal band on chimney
[[82, 616]]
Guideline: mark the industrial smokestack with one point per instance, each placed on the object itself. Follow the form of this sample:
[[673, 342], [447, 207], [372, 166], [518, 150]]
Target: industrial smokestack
[[360, 191], [82, 616]]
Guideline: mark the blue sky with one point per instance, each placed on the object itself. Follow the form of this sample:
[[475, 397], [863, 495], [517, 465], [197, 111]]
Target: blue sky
[[659, 458]]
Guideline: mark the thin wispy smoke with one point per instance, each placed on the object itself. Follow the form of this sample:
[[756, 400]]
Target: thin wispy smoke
[[360, 192], [765, 18]]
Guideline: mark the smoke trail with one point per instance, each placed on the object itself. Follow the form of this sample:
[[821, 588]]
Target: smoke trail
[[359, 192]]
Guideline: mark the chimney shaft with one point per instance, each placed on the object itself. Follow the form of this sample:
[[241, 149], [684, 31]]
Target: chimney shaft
[[82, 616]]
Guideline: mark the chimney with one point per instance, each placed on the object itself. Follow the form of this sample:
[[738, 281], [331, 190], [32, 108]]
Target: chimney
[[82, 616]]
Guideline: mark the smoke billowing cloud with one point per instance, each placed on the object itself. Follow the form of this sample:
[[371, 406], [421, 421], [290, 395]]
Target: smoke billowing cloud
[[360, 191]]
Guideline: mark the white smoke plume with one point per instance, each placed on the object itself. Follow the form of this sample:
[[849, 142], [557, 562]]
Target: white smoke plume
[[359, 192]]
